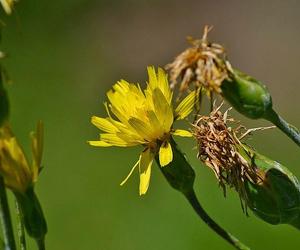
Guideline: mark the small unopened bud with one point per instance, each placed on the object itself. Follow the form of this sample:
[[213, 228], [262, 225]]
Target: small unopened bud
[[247, 95], [33, 216], [178, 173], [252, 99]]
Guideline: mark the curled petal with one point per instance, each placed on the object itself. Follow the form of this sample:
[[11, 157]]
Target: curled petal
[[130, 173]]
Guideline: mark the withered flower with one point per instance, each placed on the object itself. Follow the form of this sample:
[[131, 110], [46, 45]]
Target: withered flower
[[203, 65], [222, 151]]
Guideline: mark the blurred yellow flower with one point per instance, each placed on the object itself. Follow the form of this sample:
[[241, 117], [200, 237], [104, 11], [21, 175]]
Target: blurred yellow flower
[[7, 5], [14, 167], [143, 118]]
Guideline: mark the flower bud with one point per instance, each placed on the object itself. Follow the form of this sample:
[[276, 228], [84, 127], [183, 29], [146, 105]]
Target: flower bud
[[276, 197], [178, 173], [252, 99], [20, 176], [33, 216], [247, 95]]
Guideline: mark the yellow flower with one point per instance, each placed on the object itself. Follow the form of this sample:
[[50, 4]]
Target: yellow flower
[[143, 118], [14, 167], [7, 5]]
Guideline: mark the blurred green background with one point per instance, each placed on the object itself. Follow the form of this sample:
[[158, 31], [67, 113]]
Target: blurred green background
[[64, 56]]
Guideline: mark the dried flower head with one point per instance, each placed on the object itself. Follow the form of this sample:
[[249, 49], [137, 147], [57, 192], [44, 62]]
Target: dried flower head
[[221, 150], [203, 65]]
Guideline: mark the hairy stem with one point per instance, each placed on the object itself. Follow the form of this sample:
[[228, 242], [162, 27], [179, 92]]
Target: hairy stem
[[288, 129], [191, 197], [7, 228], [21, 231]]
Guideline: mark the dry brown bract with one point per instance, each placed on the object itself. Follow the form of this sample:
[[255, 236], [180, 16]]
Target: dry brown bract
[[203, 65], [219, 147]]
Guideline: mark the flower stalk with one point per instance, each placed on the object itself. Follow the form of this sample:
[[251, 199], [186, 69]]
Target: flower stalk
[[192, 199], [291, 131], [21, 231], [181, 176], [9, 240]]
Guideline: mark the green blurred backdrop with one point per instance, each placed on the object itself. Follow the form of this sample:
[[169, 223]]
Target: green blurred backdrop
[[64, 56]]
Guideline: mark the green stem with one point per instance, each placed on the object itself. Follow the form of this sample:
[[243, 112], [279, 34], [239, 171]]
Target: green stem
[[41, 244], [192, 198], [7, 228], [21, 231], [181, 176], [288, 129]]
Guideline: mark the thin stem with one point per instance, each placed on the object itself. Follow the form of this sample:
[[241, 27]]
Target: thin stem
[[211, 101], [21, 231], [288, 129], [41, 244], [191, 197], [7, 228]]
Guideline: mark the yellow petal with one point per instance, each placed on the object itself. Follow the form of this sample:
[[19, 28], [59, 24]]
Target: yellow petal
[[153, 83], [185, 107], [141, 128], [160, 81], [164, 85], [157, 128], [37, 150], [103, 124], [145, 163], [7, 5], [14, 166], [165, 154], [130, 173], [115, 140], [163, 109], [182, 132], [99, 144]]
